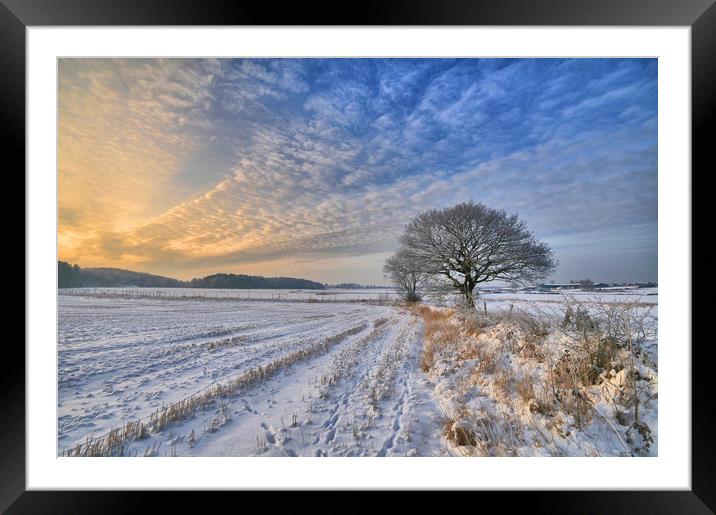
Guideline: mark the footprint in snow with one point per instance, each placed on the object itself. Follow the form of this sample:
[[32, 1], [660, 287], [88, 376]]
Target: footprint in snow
[[330, 435]]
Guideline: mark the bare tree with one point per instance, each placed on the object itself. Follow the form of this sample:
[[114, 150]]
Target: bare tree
[[405, 274], [470, 243]]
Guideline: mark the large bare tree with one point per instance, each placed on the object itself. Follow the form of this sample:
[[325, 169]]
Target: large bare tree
[[470, 243], [405, 274]]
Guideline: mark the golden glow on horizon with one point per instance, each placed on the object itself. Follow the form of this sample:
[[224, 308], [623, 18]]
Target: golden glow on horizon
[[115, 163], [129, 134]]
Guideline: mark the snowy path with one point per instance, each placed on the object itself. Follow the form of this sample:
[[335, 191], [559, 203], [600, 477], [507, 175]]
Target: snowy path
[[366, 398], [365, 395]]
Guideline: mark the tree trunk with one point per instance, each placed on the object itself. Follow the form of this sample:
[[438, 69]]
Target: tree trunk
[[469, 297]]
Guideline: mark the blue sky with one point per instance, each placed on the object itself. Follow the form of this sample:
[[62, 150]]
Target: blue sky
[[311, 167]]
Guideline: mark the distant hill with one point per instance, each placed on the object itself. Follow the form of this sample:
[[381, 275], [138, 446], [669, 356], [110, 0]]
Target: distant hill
[[73, 276]]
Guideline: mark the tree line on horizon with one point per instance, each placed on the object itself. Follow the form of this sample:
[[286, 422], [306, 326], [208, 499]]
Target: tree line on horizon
[[73, 276]]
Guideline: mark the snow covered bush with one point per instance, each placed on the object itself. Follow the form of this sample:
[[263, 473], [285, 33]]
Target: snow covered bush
[[579, 378]]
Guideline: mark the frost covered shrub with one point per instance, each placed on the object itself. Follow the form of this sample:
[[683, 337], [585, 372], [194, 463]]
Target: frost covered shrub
[[534, 328], [604, 343], [474, 321], [531, 331], [540, 380]]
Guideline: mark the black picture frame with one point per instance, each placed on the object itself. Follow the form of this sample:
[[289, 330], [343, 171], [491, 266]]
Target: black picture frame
[[16, 15]]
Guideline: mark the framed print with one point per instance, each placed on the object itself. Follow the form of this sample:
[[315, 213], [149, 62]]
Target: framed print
[[420, 251]]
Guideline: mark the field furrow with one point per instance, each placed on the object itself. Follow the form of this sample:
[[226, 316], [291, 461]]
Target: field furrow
[[246, 379]]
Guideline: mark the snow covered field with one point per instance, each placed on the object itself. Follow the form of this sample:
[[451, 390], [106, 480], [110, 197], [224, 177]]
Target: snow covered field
[[328, 295], [156, 375], [360, 393], [642, 296]]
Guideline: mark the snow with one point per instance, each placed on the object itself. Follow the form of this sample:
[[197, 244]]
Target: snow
[[338, 378], [644, 296], [120, 359], [478, 381], [327, 295]]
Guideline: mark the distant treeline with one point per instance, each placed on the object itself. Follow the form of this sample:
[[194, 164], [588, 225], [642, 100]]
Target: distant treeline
[[72, 276], [253, 282], [354, 286]]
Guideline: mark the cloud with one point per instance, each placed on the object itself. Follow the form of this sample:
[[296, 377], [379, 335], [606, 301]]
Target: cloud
[[181, 166]]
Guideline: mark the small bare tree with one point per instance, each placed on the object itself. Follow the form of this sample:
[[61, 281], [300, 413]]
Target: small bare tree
[[470, 243], [405, 274], [586, 284]]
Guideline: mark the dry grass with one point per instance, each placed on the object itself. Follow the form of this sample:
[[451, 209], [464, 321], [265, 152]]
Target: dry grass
[[502, 383], [489, 359], [542, 369], [477, 434], [497, 437], [472, 327], [457, 433], [525, 389], [429, 314], [427, 359], [440, 326], [440, 329], [530, 350], [445, 333], [471, 350], [483, 352]]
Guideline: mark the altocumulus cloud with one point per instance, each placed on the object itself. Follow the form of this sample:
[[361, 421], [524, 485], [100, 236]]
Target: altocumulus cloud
[[185, 167]]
